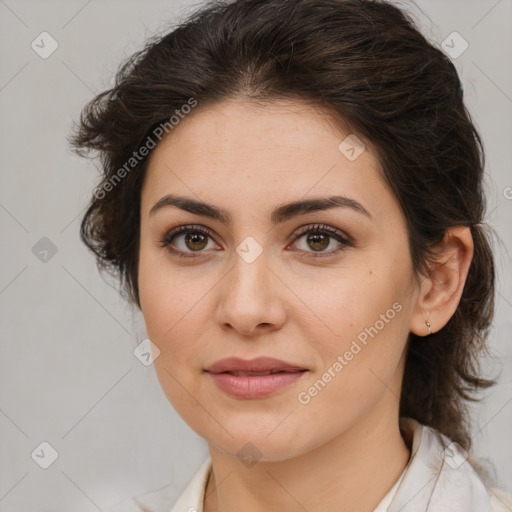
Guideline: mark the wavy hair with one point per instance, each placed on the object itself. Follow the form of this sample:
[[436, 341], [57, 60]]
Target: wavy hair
[[367, 63]]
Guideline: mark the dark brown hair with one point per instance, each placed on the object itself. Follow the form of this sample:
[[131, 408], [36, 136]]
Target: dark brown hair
[[368, 64]]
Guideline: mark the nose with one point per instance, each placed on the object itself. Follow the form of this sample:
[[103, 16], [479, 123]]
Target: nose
[[251, 300]]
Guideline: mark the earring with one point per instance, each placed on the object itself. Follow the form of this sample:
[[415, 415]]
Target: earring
[[428, 327]]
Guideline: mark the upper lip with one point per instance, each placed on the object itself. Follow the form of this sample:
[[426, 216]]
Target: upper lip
[[259, 364]]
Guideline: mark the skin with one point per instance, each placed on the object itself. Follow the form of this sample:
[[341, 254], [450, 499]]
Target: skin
[[343, 450]]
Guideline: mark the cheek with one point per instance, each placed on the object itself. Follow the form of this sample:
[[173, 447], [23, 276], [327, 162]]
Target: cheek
[[353, 300], [162, 298], [359, 330], [359, 364], [367, 345], [167, 304], [174, 302]]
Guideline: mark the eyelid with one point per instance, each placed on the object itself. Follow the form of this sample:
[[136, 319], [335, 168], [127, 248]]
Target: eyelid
[[342, 237], [173, 233], [323, 228]]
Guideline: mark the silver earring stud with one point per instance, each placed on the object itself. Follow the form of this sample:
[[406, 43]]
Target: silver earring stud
[[428, 327]]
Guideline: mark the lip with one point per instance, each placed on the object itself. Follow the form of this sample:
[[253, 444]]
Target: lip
[[259, 364], [233, 376]]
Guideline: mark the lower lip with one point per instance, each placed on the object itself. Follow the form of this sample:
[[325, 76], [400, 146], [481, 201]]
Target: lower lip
[[256, 386]]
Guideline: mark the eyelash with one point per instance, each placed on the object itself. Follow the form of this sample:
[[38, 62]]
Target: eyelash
[[338, 235]]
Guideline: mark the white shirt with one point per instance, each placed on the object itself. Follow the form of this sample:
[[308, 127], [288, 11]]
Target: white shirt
[[437, 478]]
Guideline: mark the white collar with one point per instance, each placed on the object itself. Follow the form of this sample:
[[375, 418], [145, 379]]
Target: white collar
[[438, 476]]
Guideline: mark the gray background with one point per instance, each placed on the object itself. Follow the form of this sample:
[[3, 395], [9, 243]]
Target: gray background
[[68, 373]]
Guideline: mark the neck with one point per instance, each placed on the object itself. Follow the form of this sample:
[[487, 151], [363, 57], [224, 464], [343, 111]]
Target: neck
[[353, 471]]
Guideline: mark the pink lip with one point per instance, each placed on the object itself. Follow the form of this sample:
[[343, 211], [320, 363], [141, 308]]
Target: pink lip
[[254, 386]]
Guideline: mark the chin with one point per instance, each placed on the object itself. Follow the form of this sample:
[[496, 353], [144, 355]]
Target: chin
[[251, 449], [253, 440]]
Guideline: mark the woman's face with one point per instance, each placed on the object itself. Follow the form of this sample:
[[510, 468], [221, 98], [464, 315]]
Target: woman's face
[[328, 291]]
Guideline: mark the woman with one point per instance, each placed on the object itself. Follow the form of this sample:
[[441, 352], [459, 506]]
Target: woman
[[292, 195]]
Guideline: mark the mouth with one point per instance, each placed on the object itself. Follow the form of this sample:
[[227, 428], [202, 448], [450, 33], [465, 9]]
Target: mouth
[[257, 366], [257, 374], [256, 378]]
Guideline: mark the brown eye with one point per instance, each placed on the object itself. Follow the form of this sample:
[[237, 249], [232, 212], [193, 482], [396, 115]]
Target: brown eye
[[196, 241], [187, 240], [317, 241], [318, 238]]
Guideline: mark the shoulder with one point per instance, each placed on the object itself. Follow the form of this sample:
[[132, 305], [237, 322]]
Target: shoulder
[[160, 500], [501, 501], [126, 505], [453, 480], [163, 499]]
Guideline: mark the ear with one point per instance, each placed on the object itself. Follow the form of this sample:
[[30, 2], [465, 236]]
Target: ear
[[440, 291]]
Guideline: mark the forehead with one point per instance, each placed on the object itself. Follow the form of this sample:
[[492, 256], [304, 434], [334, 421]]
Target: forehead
[[242, 154], [232, 128]]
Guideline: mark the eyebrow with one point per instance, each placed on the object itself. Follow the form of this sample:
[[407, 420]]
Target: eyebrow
[[280, 214]]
